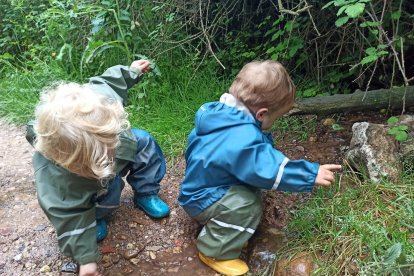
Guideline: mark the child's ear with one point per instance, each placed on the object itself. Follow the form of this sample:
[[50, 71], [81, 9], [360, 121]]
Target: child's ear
[[260, 113]]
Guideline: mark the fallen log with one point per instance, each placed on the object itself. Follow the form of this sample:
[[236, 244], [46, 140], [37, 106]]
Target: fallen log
[[395, 98]]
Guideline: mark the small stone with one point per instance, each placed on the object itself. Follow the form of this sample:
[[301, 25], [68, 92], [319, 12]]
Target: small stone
[[129, 254], [154, 248], [70, 267], [134, 261], [5, 231], [127, 270], [45, 269], [328, 122], [189, 259], [106, 249], [40, 227], [152, 255], [299, 148], [115, 259], [173, 269], [141, 221], [5, 249], [18, 257], [313, 139], [130, 246]]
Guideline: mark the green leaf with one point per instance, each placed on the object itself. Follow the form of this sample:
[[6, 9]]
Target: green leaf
[[371, 51], [393, 131], [396, 15], [402, 127], [392, 254], [368, 59], [392, 120], [341, 10], [369, 24], [341, 21], [401, 136], [355, 10], [328, 4]]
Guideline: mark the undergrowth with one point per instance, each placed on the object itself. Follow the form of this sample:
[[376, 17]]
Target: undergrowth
[[357, 227]]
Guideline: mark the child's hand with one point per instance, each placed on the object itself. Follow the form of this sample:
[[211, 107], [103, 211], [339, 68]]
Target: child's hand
[[142, 65], [325, 175], [90, 269]]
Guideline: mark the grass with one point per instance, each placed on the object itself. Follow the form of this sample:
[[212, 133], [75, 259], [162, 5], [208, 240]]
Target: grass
[[164, 105], [357, 227]]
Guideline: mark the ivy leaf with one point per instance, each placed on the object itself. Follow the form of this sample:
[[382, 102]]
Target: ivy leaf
[[393, 131], [401, 136], [341, 21], [392, 120], [402, 127], [355, 10]]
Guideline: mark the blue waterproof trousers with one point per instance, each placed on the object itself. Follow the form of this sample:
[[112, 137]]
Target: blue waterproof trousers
[[144, 174]]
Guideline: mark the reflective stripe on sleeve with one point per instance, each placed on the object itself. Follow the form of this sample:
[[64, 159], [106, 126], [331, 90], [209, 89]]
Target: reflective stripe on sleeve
[[280, 173]]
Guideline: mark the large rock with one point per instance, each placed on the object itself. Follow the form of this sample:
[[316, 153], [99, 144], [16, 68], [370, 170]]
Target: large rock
[[374, 151], [407, 147]]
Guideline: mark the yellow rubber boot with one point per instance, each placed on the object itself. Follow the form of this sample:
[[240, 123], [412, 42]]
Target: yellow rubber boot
[[226, 267]]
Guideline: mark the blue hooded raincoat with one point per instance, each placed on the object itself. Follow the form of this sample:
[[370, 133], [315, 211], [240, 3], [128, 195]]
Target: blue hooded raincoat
[[227, 147]]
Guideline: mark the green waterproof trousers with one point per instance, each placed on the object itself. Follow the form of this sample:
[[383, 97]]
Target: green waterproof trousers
[[230, 222]]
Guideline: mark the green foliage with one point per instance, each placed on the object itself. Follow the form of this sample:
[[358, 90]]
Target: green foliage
[[398, 131], [357, 222]]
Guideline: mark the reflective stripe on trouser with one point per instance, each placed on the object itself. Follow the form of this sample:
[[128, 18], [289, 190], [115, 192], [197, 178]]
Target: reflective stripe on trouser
[[229, 223], [111, 200]]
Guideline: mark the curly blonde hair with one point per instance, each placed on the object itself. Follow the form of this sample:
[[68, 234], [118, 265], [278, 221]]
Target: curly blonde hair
[[263, 84], [79, 129]]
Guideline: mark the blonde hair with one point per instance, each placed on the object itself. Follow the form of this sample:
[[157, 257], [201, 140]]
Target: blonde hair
[[78, 129], [263, 84]]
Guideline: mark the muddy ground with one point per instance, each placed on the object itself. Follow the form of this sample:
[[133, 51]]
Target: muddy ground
[[136, 244]]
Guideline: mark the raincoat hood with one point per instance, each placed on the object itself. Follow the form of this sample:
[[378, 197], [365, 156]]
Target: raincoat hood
[[228, 112]]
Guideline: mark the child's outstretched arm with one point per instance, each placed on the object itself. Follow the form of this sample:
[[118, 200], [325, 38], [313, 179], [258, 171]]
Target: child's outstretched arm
[[116, 80], [325, 175]]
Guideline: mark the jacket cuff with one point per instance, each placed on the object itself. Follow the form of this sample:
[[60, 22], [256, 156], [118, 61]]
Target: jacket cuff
[[86, 259], [135, 70]]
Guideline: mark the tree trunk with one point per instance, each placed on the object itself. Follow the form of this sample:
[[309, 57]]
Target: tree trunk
[[395, 98]]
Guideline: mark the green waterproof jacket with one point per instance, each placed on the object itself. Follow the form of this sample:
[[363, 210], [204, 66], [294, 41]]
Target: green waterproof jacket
[[68, 199]]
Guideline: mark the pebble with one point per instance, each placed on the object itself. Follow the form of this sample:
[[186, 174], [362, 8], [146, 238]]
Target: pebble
[[18, 257], [115, 258], [40, 227], [152, 255], [129, 254], [154, 248], [134, 261], [45, 269], [173, 269]]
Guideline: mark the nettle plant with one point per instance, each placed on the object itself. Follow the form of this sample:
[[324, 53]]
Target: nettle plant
[[398, 131]]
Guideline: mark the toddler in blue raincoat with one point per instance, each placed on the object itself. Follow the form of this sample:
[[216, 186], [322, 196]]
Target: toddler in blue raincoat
[[230, 159]]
